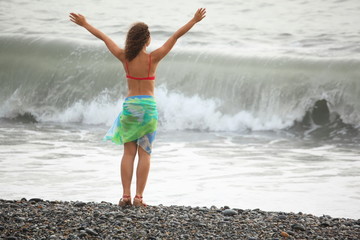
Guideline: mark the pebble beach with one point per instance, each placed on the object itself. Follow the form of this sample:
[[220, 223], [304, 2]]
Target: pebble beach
[[41, 219]]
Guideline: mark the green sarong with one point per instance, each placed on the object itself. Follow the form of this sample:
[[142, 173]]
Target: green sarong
[[137, 122]]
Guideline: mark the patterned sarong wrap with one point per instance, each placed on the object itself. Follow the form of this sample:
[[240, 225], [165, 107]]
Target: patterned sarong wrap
[[137, 122]]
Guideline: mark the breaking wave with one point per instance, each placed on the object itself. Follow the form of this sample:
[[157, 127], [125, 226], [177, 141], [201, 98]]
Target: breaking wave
[[61, 80]]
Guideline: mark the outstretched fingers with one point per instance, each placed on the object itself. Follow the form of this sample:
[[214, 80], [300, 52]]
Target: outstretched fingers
[[202, 11], [77, 18], [200, 14], [73, 17]]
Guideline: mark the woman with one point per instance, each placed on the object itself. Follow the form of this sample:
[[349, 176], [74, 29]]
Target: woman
[[136, 125]]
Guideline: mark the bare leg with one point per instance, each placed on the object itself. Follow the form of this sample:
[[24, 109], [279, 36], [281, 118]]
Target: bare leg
[[127, 166], [142, 171]]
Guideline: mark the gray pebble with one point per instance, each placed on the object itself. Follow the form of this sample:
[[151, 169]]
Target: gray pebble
[[291, 233], [79, 204], [91, 231], [325, 224], [298, 226], [203, 209], [96, 213], [81, 235], [229, 212], [11, 238]]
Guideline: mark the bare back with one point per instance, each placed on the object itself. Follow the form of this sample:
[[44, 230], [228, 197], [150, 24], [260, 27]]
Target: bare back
[[142, 66]]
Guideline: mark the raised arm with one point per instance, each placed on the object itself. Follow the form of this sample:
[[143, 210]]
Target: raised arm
[[161, 52], [111, 45]]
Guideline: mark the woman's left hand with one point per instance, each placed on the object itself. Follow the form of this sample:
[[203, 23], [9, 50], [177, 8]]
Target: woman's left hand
[[78, 19], [200, 14]]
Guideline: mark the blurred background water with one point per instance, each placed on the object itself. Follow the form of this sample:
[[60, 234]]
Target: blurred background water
[[258, 103]]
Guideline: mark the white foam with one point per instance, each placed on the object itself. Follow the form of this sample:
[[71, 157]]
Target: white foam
[[176, 112], [180, 112], [101, 110]]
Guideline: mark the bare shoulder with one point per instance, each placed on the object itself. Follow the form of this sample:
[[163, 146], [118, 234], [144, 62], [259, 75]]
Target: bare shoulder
[[121, 55], [162, 51], [155, 56]]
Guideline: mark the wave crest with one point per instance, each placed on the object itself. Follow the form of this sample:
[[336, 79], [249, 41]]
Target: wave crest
[[66, 81]]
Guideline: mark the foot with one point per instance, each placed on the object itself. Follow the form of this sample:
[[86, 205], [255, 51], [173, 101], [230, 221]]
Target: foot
[[125, 201], [138, 201]]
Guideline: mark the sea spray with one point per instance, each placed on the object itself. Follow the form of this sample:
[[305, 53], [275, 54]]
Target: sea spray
[[61, 80]]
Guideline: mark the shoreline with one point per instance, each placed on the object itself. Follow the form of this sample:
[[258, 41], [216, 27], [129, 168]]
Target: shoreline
[[41, 219]]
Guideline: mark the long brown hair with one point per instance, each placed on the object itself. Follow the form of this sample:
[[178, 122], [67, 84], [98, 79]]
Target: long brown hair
[[136, 39]]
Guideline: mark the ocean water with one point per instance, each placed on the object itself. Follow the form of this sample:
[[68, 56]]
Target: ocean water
[[258, 104]]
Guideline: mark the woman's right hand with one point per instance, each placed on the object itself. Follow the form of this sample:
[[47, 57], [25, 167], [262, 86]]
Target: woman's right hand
[[199, 15], [78, 19]]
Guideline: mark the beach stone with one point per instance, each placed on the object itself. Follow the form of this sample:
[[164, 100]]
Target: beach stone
[[36, 200], [91, 232], [19, 219], [229, 212], [73, 237], [282, 217], [203, 209], [142, 233], [96, 214], [82, 235], [201, 224], [79, 204], [325, 224], [13, 205], [119, 215], [284, 234], [298, 226], [11, 238], [291, 233], [343, 227], [349, 224]]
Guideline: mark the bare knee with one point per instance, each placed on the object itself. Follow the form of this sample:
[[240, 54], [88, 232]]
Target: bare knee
[[130, 150], [143, 154]]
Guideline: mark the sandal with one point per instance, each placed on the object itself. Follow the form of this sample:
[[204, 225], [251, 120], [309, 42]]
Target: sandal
[[138, 201], [125, 201]]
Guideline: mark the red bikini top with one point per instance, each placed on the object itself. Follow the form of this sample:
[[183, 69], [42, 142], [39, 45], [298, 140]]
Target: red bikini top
[[143, 78]]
